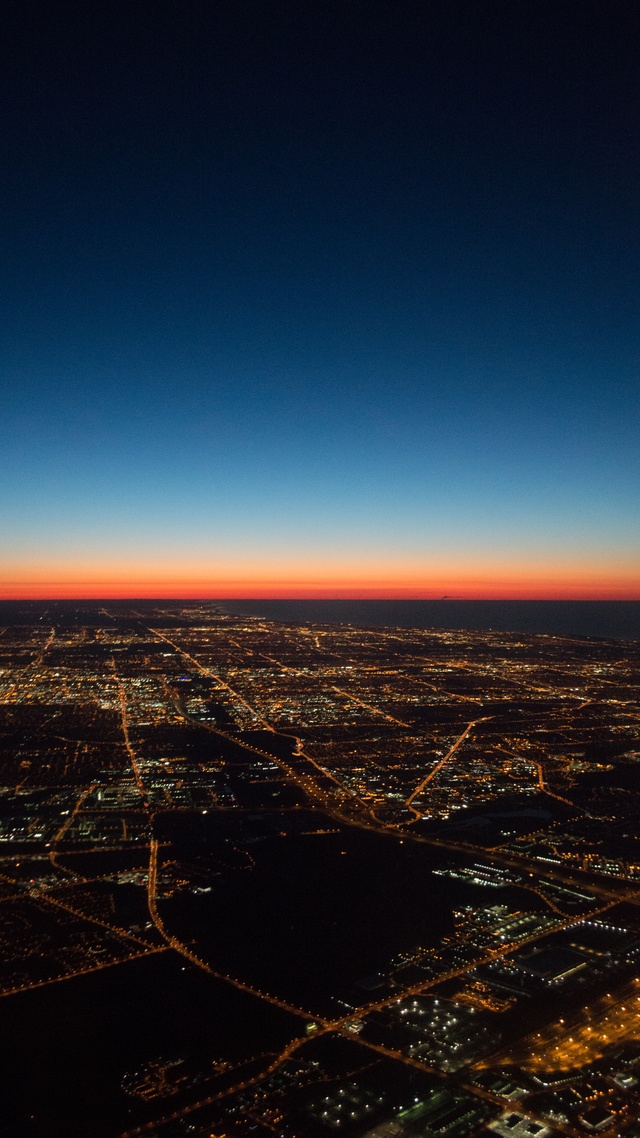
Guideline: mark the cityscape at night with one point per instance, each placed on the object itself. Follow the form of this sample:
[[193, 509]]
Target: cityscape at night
[[296, 878], [320, 569]]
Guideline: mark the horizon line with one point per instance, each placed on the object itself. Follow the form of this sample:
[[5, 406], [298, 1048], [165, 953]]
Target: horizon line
[[286, 599]]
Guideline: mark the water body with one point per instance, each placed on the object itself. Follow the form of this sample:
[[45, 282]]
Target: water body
[[608, 619]]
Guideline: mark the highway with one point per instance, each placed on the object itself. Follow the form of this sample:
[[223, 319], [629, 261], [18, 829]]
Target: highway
[[438, 767], [183, 950], [122, 695], [53, 856], [81, 972], [213, 676], [370, 707]]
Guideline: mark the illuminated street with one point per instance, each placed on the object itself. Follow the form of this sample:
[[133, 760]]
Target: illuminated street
[[307, 819]]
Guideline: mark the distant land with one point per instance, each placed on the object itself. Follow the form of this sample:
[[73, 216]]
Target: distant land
[[605, 619], [617, 619]]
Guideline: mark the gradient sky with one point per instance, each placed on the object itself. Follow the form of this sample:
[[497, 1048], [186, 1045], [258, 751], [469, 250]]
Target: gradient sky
[[325, 300]]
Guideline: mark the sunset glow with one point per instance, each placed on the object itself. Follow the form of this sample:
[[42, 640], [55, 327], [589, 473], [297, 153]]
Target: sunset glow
[[275, 346], [544, 582]]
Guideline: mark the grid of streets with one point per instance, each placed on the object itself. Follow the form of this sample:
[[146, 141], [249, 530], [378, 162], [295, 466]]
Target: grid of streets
[[301, 879]]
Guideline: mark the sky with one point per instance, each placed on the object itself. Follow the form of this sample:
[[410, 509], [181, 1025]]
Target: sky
[[320, 300]]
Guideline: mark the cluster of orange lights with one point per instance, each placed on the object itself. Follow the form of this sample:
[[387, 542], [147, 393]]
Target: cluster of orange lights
[[570, 1046]]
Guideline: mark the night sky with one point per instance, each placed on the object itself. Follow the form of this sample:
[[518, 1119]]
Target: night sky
[[320, 299]]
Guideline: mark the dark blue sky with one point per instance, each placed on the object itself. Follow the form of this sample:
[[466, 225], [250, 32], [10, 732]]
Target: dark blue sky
[[339, 296]]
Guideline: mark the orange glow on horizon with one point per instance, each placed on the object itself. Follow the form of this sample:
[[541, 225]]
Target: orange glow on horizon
[[177, 583], [500, 574]]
